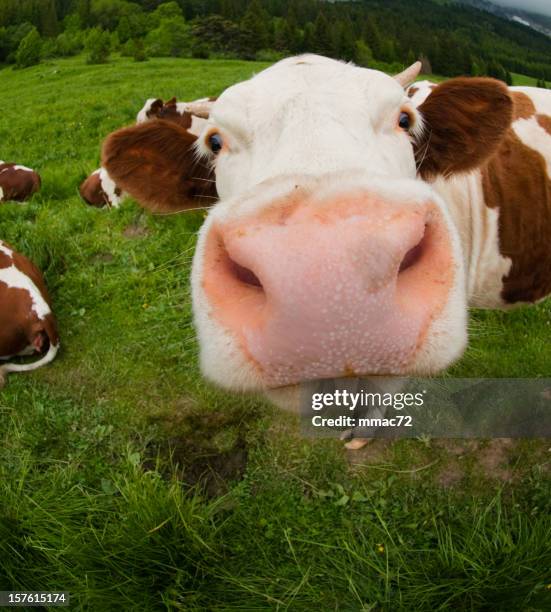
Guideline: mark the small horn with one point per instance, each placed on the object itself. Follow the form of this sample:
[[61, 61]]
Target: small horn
[[409, 75], [200, 108]]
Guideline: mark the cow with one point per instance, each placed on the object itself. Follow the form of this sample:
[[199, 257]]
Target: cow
[[420, 91], [27, 323], [175, 111], [17, 182], [99, 190], [353, 228]]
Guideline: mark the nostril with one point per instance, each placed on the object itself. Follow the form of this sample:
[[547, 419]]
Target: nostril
[[414, 254], [243, 274]]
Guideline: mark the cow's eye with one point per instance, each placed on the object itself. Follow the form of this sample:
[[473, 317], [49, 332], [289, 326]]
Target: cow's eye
[[215, 143], [404, 121]]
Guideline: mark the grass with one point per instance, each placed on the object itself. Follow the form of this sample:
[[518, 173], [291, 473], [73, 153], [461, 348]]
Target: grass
[[128, 481], [523, 80]]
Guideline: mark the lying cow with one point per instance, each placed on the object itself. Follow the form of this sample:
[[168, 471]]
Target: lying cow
[[27, 324], [99, 189], [17, 183], [353, 229]]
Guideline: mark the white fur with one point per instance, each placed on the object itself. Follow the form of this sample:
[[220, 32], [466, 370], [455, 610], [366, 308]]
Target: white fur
[[14, 278], [540, 98], [478, 228], [534, 136], [424, 89], [1, 194], [109, 188], [4, 249]]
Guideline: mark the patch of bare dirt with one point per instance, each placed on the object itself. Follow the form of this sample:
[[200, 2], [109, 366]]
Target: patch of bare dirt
[[198, 451], [493, 459], [135, 230], [377, 450], [103, 258]]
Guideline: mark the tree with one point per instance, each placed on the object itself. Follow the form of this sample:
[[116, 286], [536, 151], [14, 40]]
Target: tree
[[69, 42], [345, 41], [98, 46], [426, 66], [48, 18], [139, 53], [497, 71], [372, 37], [28, 52], [322, 36], [167, 10], [172, 38], [363, 55], [254, 29], [218, 34]]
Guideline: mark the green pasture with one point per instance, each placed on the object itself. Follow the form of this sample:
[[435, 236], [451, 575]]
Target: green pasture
[[130, 482]]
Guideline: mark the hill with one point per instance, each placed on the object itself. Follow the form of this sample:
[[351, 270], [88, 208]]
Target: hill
[[540, 23], [452, 38]]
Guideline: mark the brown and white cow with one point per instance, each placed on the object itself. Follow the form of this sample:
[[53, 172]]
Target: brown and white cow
[[27, 324], [17, 182], [420, 91], [354, 228], [100, 190]]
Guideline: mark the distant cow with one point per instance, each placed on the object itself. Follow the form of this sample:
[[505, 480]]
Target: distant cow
[[99, 189], [17, 182], [27, 324], [354, 228], [184, 114], [420, 91]]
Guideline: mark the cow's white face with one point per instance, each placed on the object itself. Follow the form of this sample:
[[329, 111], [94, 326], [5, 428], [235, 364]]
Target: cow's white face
[[314, 116], [327, 255]]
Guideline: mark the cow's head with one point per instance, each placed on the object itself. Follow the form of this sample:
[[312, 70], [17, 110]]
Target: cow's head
[[328, 253]]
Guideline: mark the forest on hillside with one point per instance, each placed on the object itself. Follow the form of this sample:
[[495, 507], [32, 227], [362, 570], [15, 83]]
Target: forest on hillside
[[451, 39]]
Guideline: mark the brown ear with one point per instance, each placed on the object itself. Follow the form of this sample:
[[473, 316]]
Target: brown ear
[[465, 120], [156, 163]]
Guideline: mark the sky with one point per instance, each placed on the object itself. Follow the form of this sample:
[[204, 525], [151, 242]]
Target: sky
[[536, 6]]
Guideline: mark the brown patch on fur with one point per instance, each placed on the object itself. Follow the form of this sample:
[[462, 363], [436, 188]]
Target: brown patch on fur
[[523, 107], [515, 182], [412, 91], [18, 184], [156, 163], [545, 122], [19, 325], [466, 119]]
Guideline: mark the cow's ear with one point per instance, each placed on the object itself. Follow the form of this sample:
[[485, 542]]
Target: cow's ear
[[465, 120], [157, 164]]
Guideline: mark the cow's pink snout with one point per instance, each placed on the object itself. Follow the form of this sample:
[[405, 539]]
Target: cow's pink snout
[[316, 289]]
